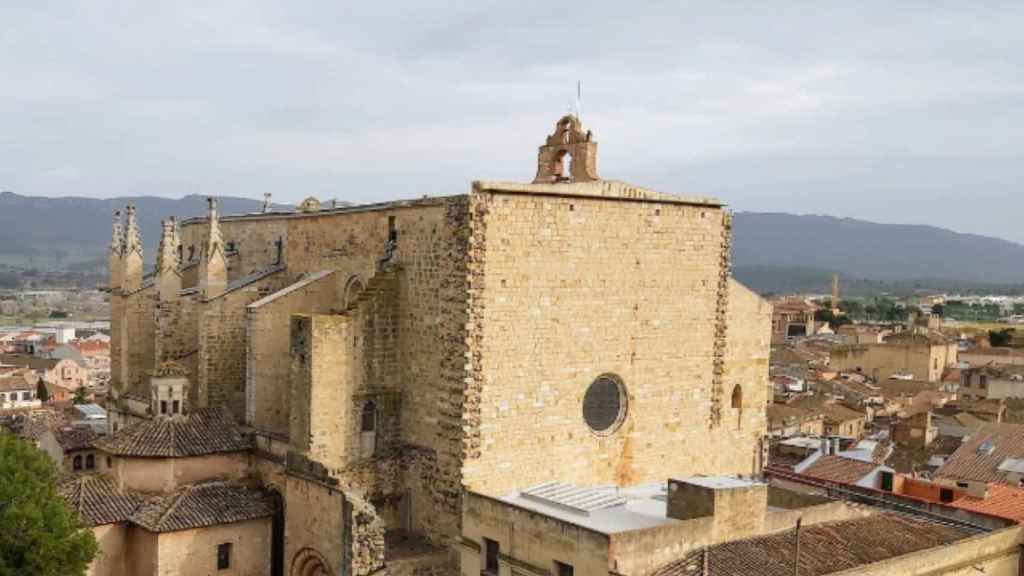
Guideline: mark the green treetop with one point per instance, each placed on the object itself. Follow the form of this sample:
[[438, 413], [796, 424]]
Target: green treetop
[[38, 534]]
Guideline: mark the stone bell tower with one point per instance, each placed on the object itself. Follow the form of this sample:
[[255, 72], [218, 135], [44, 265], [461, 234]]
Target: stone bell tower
[[568, 155], [169, 388]]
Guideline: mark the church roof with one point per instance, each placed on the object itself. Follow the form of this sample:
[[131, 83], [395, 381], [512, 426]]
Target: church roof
[[204, 431], [202, 505], [97, 500]]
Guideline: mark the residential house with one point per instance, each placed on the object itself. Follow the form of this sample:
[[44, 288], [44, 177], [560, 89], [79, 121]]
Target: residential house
[[994, 454], [983, 355], [66, 372], [864, 333], [72, 449], [910, 354], [788, 421], [18, 391], [992, 382], [791, 318], [839, 420], [916, 430]]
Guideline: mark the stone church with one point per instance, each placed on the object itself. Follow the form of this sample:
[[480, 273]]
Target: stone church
[[335, 380]]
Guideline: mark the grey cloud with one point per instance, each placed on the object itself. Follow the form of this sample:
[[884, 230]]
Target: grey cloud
[[907, 112]]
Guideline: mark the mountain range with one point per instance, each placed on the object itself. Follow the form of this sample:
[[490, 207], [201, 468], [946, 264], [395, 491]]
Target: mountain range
[[772, 252]]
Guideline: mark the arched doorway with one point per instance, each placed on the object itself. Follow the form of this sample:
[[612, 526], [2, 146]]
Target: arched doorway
[[277, 534], [309, 562]]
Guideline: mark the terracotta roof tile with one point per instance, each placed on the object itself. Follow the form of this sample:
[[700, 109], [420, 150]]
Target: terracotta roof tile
[[204, 431], [79, 438], [832, 468], [824, 548], [19, 381], [202, 505], [1002, 501], [97, 500], [979, 457]]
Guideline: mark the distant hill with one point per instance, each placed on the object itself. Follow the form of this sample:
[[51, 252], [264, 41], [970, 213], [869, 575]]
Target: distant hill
[[772, 252], [887, 252], [72, 232]]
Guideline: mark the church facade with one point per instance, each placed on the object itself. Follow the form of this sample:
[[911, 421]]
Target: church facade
[[384, 360]]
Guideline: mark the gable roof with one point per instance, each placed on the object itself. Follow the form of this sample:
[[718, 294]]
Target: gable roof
[[979, 457], [204, 431], [824, 548], [202, 505], [78, 438], [97, 500], [832, 468], [18, 381], [34, 362]]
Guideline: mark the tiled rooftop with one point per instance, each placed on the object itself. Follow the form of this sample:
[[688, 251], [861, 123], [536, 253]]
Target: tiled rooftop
[[200, 506], [832, 468], [79, 438], [204, 431], [97, 499], [824, 548], [981, 454]]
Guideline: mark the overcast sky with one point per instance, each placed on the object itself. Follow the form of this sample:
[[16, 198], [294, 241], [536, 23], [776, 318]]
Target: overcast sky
[[895, 112]]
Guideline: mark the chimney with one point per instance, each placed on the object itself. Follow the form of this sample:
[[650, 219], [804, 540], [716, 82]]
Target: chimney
[[131, 279], [213, 266]]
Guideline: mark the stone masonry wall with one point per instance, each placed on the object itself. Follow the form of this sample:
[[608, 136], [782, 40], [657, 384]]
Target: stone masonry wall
[[267, 339], [747, 347], [222, 349], [568, 288], [138, 336], [253, 240]]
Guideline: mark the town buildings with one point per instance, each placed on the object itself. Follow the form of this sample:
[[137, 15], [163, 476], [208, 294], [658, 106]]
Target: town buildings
[[18, 390], [544, 378], [910, 354], [792, 318]]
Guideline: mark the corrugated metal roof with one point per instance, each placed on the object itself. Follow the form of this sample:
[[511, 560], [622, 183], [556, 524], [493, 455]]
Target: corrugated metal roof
[[573, 498]]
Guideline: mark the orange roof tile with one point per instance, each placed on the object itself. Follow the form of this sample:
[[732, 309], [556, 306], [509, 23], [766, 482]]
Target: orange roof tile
[[1002, 501]]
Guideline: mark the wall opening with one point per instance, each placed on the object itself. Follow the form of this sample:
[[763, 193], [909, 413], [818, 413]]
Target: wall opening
[[368, 430], [737, 404], [605, 404]]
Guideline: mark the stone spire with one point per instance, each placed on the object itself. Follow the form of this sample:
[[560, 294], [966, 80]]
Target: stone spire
[[132, 253], [213, 267], [168, 276], [116, 255], [568, 155]]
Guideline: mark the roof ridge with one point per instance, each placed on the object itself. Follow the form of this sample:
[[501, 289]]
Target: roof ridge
[[174, 506]]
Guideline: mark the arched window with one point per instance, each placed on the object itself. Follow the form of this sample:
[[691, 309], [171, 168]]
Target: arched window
[[353, 287], [76, 463], [369, 420], [737, 404], [368, 429], [563, 166], [90, 462]]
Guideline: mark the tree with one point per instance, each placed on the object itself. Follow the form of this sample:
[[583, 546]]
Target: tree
[[41, 392], [79, 397], [40, 535], [1001, 338]]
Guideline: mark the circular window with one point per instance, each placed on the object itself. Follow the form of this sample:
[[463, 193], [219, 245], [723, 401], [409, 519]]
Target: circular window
[[604, 405]]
